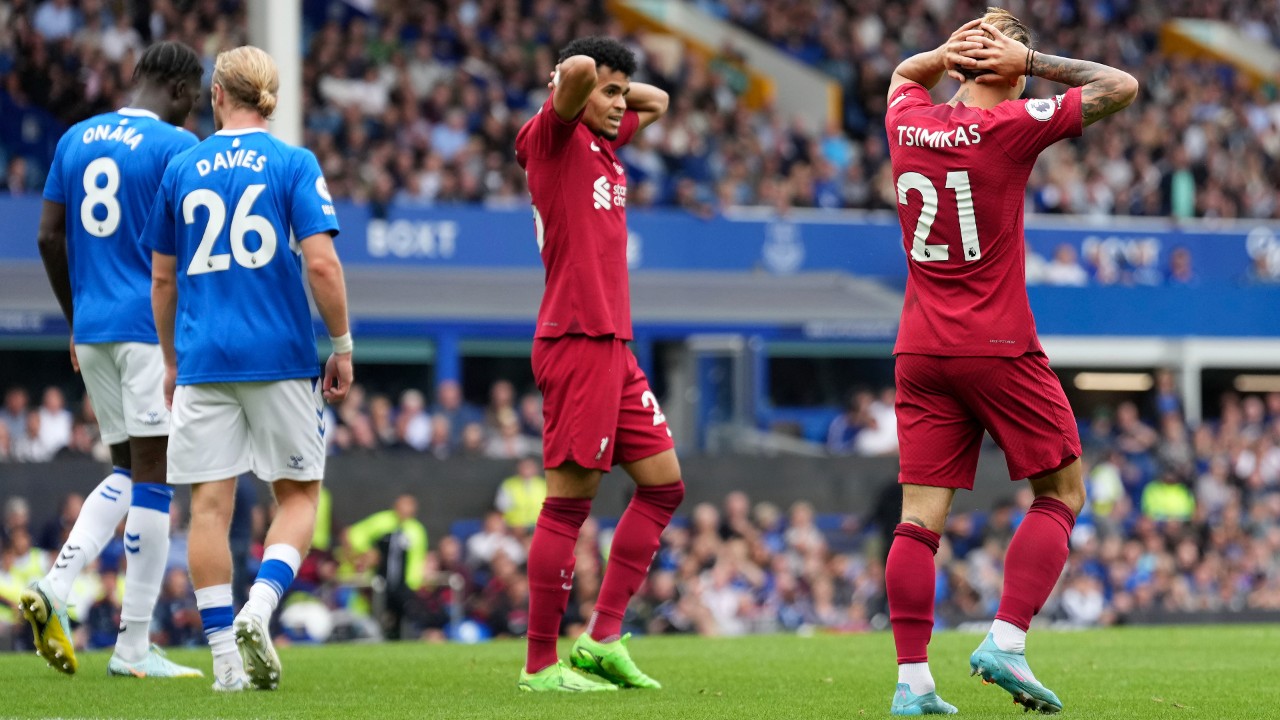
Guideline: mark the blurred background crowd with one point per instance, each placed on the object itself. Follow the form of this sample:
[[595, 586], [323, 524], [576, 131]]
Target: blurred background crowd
[[419, 103], [1179, 519]]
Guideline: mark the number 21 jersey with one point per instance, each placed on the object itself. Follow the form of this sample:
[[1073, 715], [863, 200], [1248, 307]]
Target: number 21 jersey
[[105, 171], [961, 176], [232, 211]]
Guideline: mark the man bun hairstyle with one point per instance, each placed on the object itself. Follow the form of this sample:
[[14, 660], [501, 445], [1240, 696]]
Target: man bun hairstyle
[[1007, 23], [605, 51], [167, 61], [249, 77]]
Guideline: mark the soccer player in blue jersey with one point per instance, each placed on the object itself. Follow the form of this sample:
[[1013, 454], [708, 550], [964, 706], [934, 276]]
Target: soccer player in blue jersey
[[239, 221], [103, 180]]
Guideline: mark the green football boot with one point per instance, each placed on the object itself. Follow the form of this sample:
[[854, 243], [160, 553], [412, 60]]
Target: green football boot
[[906, 702], [560, 678], [610, 661], [1010, 671]]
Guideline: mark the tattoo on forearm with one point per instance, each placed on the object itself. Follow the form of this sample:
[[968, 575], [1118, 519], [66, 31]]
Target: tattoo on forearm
[[1104, 90]]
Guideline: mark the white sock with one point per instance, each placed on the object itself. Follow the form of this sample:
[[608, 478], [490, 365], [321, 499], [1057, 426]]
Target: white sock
[[917, 676], [280, 564], [214, 603], [102, 511], [1009, 637], [146, 544]]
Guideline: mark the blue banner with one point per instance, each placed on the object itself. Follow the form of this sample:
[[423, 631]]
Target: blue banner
[[1115, 251]]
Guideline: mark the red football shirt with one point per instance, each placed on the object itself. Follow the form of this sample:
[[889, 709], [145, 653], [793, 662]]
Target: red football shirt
[[579, 194], [961, 176]]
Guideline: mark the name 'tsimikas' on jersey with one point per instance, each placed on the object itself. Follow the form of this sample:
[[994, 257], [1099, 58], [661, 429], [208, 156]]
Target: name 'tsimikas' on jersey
[[106, 171], [960, 174], [232, 210], [579, 191]]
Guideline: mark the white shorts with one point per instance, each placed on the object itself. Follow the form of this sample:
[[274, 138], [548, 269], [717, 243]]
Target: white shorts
[[222, 430], [126, 384]]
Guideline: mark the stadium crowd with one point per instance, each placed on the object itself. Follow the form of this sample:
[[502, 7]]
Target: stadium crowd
[[418, 103], [1180, 519]]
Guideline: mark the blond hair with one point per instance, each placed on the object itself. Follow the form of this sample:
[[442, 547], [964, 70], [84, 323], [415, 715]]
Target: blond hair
[[249, 77], [1005, 22]]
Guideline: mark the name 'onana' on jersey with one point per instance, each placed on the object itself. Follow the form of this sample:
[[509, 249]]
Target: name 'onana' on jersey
[[232, 210], [105, 171]]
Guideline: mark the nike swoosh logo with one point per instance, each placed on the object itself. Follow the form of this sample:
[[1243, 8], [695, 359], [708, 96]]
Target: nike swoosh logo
[[595, 147]]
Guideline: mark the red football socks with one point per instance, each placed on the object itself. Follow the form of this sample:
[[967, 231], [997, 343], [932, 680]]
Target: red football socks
[[1035, 559], [910, 580], [551, 563], [634, 544]]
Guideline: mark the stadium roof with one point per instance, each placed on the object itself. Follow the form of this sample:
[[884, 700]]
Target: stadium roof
[[408, 302]]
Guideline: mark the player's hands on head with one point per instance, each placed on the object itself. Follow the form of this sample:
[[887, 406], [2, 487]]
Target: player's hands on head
[[1004, 57], [338, 376], [170, 382], [75, 361], [963, 41]]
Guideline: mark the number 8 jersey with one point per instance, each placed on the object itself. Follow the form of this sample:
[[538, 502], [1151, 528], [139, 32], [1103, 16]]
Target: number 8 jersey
[[232, 211], [105, 171], [961, 179]]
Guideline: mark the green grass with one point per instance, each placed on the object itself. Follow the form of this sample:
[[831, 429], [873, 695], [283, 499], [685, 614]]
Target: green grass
[[1173, 672]]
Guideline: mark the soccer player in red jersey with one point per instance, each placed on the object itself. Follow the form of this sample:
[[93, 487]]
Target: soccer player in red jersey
[[598, 407], [968, 359]]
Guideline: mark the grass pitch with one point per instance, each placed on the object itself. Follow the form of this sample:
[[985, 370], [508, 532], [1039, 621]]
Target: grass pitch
[[1167, 672]]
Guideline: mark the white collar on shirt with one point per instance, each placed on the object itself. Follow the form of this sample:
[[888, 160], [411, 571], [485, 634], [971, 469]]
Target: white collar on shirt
[[241, 131], [138, 112]]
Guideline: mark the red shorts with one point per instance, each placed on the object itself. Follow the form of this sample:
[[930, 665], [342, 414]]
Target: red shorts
[[596, 403], [945, 403]]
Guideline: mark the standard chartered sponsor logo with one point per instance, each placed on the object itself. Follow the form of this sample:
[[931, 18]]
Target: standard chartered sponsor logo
[[600, 194]]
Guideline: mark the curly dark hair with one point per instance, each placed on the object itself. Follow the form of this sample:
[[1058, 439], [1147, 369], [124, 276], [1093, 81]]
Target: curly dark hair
[[605, 51], [166, 61]]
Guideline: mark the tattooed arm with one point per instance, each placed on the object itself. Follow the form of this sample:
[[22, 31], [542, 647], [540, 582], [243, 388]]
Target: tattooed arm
[[1103, 89]]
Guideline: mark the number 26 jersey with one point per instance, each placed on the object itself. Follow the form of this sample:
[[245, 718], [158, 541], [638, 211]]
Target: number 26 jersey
[[961, 177], [232, 211]]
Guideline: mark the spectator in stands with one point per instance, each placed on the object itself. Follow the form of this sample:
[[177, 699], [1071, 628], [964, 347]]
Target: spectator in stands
[[507, 442], [502, 404], [413, 425], [54, 532], [1065, 269], [531, 419], [6, 443], [844, 428], [1133, 436], [493, 539], [520, 496], [55, 419], [56, 19], [451, 405], [177, 620], [735, 520], [14, 413], [16, 178], [30, 446], [442, 445], [879, 433], [1168, 499]]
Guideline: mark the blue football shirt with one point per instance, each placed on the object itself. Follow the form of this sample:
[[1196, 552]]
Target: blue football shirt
[[106, 171], [232, 210]]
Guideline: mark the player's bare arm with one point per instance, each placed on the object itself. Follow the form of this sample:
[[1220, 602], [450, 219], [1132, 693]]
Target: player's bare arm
[[1104, 90], [927, 68], [577, 80], [329, 289], [164, 305], [52, 240], [647, 101]]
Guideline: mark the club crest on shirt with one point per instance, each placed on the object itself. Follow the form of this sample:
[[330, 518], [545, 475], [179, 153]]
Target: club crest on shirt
[[1042, 109]]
